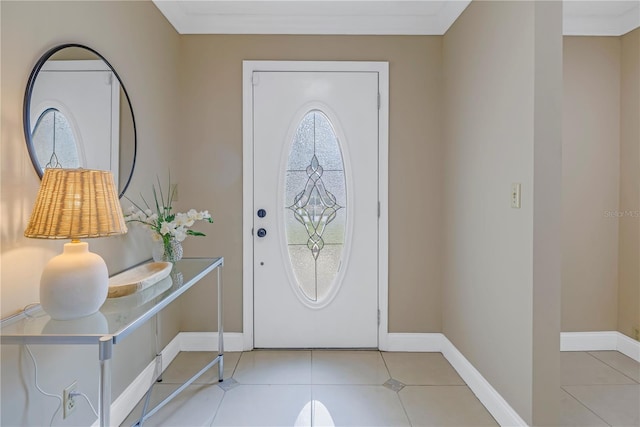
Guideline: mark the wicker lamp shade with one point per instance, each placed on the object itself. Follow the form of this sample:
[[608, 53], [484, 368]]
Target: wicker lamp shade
[[75, 204]]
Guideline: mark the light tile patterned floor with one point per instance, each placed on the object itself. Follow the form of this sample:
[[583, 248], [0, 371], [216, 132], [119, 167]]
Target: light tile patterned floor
[[371, 388], [319, 388], [599, 388]]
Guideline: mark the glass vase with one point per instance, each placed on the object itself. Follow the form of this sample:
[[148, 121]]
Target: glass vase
[[167, 249]]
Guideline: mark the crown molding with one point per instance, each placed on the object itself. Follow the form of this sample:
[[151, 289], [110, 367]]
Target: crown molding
[[362, 17], [600, 18], [372, 17]]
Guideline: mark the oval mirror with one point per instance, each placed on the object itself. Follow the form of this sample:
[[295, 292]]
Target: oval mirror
[[77, 113]]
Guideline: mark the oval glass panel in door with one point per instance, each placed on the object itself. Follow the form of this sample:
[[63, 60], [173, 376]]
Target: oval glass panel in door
[[315, 207], [54, 142]]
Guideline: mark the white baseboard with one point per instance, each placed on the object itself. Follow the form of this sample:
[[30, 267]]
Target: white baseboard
[[208, 341], [503, 413], [628, 346], [599, 341], [587, 341], [171, 351], [414, 342]]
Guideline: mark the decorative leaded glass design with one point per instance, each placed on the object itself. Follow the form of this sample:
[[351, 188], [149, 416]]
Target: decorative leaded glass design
[[54, 141], [315, 200]]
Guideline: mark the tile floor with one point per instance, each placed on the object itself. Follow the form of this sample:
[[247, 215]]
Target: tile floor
[[371, 388], [319, 388], [599, 388]]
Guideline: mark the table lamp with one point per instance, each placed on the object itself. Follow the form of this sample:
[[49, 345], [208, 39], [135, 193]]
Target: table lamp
[[74, 204]]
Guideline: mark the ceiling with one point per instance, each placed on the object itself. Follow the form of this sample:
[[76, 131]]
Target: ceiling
[[399, 17]]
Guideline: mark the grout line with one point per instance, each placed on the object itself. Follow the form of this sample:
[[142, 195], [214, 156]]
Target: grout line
[[215, 413], [439, 385], [613, 367], [313, 405], [235, 367], [608, 366], [580, 402], [404, 409], [385, 364], [311, 373], [313, 402]]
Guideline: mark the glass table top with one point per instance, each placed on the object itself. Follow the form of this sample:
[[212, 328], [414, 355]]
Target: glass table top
[[117, 317]]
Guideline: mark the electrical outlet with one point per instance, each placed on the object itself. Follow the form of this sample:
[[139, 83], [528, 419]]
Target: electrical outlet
[[636, 333], [68, 401]]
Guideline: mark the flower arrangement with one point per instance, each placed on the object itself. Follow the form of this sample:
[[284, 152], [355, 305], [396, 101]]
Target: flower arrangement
[[165, 226]]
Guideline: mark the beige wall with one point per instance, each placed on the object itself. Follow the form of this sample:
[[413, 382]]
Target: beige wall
[[629, 232], [590, 181], [211, 147], [501, 279], [136, 39], [601, 169]]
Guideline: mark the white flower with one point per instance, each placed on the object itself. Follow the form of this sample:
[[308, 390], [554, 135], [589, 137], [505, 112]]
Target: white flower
[[167, 227], [197, 216], [184, 220], [163, 222], [180, 234]]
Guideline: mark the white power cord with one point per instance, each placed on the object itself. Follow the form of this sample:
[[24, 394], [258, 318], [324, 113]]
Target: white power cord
[[35, 366], [29, 310], [87, 399], [35, 376]]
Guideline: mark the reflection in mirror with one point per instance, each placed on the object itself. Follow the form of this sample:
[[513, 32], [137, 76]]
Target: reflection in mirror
[[53, 140], [77, 113], [88, 95]]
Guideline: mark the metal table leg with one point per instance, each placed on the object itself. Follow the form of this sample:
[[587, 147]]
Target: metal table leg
[[220, 329], [218, 359], [105, 353]]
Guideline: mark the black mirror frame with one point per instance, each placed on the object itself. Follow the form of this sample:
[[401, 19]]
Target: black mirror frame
[[27, 107]]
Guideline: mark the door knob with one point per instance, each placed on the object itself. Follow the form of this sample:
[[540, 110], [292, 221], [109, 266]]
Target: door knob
[[262, 232], [262, 213]]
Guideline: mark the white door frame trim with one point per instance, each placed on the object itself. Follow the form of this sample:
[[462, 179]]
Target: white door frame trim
[[248, 67]]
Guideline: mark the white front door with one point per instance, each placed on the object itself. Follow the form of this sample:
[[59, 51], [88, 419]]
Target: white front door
[[315, 209]]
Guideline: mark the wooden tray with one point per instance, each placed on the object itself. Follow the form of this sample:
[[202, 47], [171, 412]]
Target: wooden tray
[[138, 278]]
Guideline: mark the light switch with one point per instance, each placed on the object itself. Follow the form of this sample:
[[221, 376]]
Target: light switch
[[515, 195]]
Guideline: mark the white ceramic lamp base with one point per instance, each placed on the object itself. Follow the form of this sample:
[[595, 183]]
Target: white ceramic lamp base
[[74, 284]]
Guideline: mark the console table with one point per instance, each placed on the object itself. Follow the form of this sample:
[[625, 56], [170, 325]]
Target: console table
[[116, 320]]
